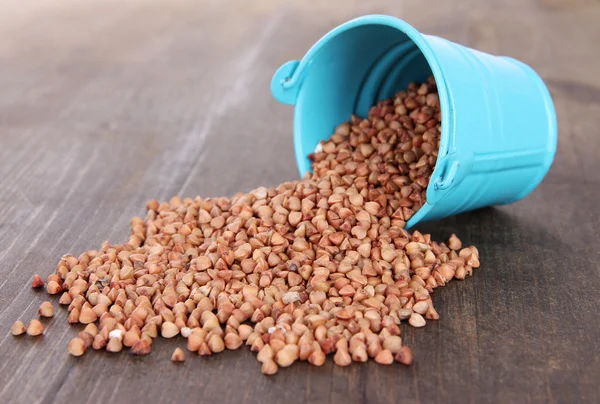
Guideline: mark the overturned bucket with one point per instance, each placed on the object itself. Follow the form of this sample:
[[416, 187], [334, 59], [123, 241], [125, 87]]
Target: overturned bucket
[[498, 122]]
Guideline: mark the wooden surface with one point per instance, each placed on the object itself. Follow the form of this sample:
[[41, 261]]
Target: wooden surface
[[106, 104]]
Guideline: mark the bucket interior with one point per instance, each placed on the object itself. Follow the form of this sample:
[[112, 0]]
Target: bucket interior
[[350, 72]]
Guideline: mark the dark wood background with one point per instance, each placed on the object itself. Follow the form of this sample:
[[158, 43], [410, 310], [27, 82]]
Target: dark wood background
[[106, 104]]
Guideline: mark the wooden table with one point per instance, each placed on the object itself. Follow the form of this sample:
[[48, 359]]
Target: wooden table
[[107, 104]]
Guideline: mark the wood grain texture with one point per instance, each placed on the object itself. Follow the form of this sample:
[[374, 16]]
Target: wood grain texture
[[106, 104]]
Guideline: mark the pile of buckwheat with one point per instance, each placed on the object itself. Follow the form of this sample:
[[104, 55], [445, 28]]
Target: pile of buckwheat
[[310, 268]]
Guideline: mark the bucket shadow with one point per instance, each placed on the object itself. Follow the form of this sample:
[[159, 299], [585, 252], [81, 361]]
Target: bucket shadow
[[493, 227]]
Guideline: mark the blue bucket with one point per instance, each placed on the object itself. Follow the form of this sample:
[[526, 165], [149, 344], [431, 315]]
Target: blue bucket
[[498, 122]]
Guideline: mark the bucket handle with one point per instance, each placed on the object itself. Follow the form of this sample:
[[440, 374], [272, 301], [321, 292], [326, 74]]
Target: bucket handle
[[450, 177], [454, 168], [283, 83]]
